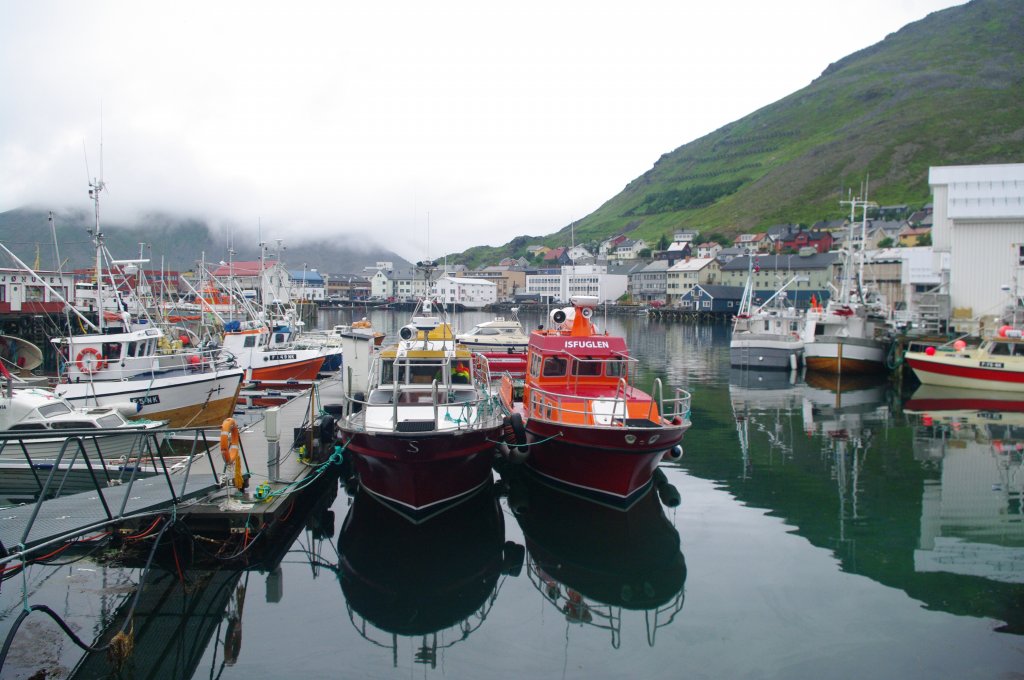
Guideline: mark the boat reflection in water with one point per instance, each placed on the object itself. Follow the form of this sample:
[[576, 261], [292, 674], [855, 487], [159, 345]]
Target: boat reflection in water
[[592, 561], [436, 580], [972, 521]]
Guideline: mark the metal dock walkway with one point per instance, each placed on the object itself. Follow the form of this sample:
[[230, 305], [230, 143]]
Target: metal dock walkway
[[56, 519]]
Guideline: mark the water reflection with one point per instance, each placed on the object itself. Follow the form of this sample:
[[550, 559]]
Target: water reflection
[[972, 519], [435, 581], [928, 500], [590, 561]]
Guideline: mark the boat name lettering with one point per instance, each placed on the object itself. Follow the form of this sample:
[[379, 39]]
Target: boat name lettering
[[990, 364], [586, 344], [145, 401], [278, 357]]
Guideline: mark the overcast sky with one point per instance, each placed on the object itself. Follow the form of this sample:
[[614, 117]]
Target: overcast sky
[[428, 127]]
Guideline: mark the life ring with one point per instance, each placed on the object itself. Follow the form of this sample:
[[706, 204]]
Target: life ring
[[89, 361], [229, 440]]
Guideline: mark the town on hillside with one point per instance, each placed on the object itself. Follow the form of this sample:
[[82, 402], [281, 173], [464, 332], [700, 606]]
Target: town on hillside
[[957, 257]]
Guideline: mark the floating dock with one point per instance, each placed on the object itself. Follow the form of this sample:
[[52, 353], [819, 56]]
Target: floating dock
[[283, 454]]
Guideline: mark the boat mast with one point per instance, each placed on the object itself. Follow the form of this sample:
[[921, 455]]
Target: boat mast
[[95, 187]]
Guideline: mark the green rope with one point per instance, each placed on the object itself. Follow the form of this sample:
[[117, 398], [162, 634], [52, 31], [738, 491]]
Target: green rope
[[527, 444], [336, 458]]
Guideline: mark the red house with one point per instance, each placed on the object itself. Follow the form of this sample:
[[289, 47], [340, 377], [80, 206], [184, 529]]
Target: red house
[[821, 241]]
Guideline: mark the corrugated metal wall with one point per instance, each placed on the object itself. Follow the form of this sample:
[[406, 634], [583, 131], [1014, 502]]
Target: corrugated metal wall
[[984, 258]]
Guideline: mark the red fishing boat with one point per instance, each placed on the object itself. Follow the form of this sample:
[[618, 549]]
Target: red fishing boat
[[582, 424], [425, 431]]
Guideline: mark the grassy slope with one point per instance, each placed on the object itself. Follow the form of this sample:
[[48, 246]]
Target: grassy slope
[[945, 90]]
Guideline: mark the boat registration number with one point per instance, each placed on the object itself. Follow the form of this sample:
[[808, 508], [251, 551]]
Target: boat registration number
[[145, 401], [990, 364], [280, 357]]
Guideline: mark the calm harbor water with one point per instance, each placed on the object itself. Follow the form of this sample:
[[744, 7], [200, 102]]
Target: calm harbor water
[[821, 533]]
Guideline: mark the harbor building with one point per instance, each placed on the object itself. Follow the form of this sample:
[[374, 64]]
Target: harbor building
[[978, 218]]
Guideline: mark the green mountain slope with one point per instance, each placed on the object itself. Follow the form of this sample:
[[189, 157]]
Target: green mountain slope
[[946, 90]]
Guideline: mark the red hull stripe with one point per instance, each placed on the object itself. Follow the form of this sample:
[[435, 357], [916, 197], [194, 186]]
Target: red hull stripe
[[987, 374]]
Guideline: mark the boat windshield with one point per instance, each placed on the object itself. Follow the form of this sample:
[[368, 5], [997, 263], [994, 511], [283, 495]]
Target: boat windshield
[[1006, 349]]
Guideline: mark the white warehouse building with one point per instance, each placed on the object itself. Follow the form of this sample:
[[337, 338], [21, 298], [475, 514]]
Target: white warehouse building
[[578, 280], [978, 218], [470, 293]]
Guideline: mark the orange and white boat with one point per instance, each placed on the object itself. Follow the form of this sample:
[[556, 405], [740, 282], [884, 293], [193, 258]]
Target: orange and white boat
[[584, 426]]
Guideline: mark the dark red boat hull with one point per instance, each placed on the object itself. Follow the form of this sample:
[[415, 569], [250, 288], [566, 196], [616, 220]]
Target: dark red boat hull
[[420, 475], [599, 463]]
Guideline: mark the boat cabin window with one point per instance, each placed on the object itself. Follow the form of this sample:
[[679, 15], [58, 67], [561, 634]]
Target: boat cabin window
[[586, 367], [73, 425], [1006, 349], [29, 426], [250, 341], [55, 409], [113, 420], [555, 367], [132, 346], [616, 368], [111, 350], [415, 374], [535, 365]]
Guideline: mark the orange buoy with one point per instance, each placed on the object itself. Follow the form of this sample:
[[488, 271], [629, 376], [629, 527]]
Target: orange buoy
[[229, 440]]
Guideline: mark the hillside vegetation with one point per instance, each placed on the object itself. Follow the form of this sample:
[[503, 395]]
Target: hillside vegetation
[[946, 90]]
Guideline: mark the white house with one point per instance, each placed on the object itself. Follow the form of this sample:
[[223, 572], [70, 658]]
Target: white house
[[628, 249], [979, 220], [470, 293]]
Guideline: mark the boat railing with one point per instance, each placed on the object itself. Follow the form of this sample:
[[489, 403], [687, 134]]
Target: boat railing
[[152, 453], [575, 606], [676, 406], [611, 411]]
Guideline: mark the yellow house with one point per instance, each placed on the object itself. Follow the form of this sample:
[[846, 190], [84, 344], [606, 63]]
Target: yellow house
[[910, 236]]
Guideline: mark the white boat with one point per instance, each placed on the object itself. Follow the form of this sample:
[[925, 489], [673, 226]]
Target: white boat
[[497, 335], [768, 336], [189, 388], [997, 364], [35, 425], [848, 334], [139, 365]]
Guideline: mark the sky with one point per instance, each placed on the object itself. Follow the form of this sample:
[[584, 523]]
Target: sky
[[424, 127]]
